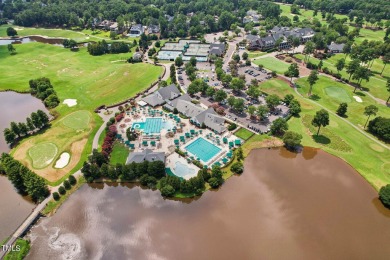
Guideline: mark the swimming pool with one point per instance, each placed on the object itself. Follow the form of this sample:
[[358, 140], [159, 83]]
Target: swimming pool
[[153, 125], [183, 171], [203, 149]]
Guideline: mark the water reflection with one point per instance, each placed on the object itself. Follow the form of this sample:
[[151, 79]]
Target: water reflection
[[278, 209]]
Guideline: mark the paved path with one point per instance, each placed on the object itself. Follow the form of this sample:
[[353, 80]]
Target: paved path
[[346, 121], [37, 210]]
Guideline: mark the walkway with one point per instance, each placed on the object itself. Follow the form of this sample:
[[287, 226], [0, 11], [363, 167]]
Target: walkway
[[37, 210]]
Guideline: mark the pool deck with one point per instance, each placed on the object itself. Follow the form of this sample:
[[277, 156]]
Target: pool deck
[[165, 143]]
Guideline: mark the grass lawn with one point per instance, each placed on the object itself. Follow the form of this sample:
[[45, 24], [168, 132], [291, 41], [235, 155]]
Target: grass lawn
[[273, 64], [42, 154], [243, 133], [53, 205], [377, 84], [338, 138], [27, 31], [255, 54], [119, 154], [330, 94], [24, 246], [93, 81]]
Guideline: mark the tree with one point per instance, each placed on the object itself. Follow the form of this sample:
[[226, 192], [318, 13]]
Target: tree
[[253, 92], [308, 50], [312, 79], [342, 110], [15, 128], [279, 126], [11, 48], [245, 56], [240, 154], [44, 119], [292, 71], [380, 127], [11, 32], [113, 35], [30, 124], [385, 60], [167, 191], [384, 195], [237, 167], [294, 107], [61, 190], [67, 185], [262, 111], [220, 95], [369, 111], [251, 110], [239, 104], [56, 196], [295, 43], [179, 61], [193, 61], [352, 67], [231, 100], [9, 136], [388, 89], [292, 139], [237, 84], [210, 91], [272, 101], [320, 119], [288, 98], [340, 65], [360, 74], [72, 180], [23, 128]]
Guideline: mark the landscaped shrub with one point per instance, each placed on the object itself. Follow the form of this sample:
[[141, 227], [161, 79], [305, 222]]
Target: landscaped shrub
[[61, 190], [72, 180], [56, 196], [311, 66], [326, 70], [197, 163], [237, 167], [119, 117], [180, 152], [274, 74], [214, 182], [109, 140], [384, 195], [232, 126], [67, 185], [288, 59]]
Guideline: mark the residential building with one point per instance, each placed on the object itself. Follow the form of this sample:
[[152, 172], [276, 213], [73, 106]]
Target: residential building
[[153, 29], [136, 30], [336, 48], [114, 27], [146, 155]]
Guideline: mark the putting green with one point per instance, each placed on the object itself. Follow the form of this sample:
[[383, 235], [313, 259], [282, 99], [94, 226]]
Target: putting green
[[77, 120], [338, 93], [42, 154]]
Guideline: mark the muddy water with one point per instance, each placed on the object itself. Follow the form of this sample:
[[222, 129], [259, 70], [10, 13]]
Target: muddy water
[[13, 207], [285, 206], [52, 41]]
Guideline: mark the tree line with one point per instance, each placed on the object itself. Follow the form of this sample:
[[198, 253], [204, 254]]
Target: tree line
[[24, 180], [102, 47], [37, 121], [43, 89]]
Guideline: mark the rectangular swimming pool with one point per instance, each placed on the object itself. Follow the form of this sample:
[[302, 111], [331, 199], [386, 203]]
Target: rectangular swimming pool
[[152, 125], [203, 149]]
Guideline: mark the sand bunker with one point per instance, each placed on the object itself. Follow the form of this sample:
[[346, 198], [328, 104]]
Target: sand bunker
[[358, 99], [70, 102], [62, 161]]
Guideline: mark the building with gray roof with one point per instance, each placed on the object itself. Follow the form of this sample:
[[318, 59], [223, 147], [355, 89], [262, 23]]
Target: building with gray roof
[[336, 48], [146, 155], [162, 95]]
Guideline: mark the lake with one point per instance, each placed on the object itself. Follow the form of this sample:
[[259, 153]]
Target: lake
[[309, 205], [14, 208]]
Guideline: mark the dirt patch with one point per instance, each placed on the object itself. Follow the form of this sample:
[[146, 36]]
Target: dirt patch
[[51, 174]]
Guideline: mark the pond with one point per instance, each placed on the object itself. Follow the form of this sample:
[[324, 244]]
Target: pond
[[14, 208], [284, 206], [52, 41]]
